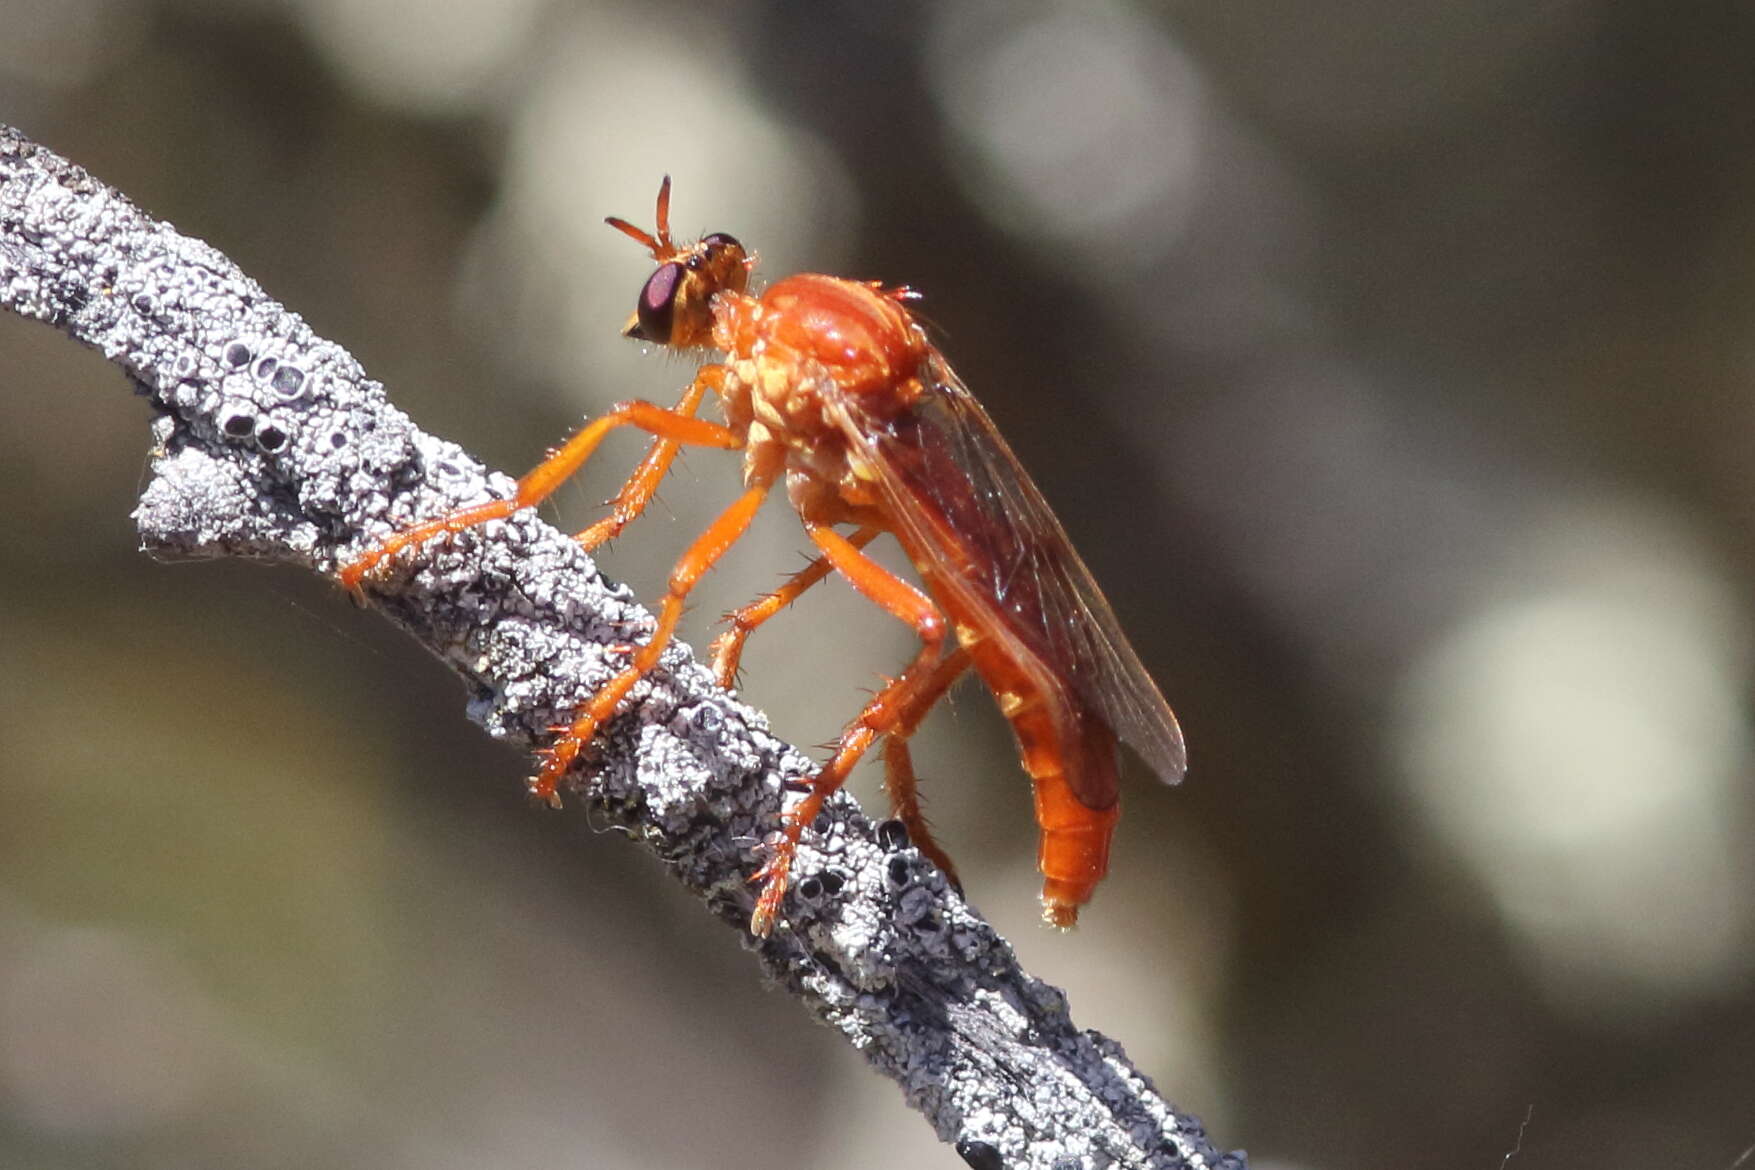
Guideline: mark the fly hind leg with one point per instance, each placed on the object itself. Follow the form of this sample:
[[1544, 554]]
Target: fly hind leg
[[892, 707], [900, 782]]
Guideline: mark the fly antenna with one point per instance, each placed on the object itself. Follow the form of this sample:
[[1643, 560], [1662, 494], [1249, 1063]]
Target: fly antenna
[[664, 215], [661, 246]]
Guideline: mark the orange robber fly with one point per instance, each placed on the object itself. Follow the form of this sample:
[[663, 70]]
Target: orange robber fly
[[834, 386]]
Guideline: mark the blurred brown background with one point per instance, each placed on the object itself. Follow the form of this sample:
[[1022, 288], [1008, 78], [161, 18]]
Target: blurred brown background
[[1393, 364]]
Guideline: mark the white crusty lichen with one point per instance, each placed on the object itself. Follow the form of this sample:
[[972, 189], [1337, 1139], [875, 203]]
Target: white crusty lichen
[[271, 443]]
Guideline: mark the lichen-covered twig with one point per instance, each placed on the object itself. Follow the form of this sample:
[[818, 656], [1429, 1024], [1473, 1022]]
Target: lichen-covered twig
[[272, 443]]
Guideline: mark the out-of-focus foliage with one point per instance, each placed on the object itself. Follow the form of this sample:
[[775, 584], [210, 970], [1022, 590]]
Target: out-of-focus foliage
[[1392, 364]]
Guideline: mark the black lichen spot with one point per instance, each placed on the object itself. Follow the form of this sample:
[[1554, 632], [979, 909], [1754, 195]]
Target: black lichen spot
[[271, 438], [72, 295], [980, 1155], [143, 304], [288, 381], [832, 882], [892, 835], [823, 822], [899, 872], [265, 368], [338, 439], [237, 354], [793, 785], [810, 890], [238, 424]]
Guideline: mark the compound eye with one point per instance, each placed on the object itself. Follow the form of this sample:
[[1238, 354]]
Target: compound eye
[[657, 309], [721, 240]]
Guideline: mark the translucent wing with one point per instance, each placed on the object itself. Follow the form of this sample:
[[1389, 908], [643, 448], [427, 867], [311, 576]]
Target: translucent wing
[[967, 506]]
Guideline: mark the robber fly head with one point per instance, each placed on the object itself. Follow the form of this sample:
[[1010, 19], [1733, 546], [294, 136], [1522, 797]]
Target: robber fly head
[[676, 304]]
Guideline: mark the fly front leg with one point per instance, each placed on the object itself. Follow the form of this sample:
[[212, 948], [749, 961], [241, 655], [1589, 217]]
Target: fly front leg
[[700, 557], [541, 481], [643, 483], [727, 648], [892, 707]]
